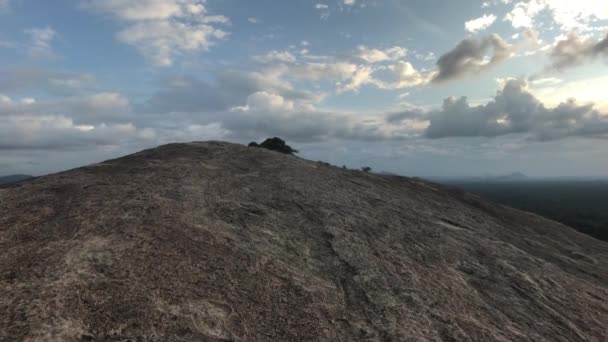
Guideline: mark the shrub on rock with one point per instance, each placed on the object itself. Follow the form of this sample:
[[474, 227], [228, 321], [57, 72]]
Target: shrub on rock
[[275, 144]]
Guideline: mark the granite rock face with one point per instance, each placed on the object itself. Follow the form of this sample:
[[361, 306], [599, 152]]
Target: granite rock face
[[212, 241]]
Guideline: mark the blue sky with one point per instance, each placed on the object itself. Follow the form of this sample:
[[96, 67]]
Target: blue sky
[[425, 88]]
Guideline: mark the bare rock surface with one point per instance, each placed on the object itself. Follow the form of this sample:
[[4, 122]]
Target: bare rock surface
[[214, 241]]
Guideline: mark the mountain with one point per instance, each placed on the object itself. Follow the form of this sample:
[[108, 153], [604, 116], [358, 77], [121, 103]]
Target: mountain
[[211, 241], [13, 178]]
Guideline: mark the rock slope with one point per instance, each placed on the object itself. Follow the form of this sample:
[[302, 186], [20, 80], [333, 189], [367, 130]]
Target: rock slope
[[214, 241]]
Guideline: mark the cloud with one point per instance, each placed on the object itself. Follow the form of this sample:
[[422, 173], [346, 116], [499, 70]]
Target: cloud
[[276, 56], [227, 89], [346, 71], [548, 81], [386, 68], [365, 54], [577, 15], [67, 123], [268, 114], [402, 75], [163, 29], [581, 15], [323, 10], [524, 13], [343, 75], [470, 56], [361, 76], [104, 107], [21, 78], [252, 104], [59, 133], [40, 42], [5, 6], [515, 110], [348, 2], [265, 113], [268, 102], [480, 23], [574, 51]]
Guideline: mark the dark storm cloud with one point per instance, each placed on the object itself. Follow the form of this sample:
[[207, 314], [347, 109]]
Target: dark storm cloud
[[471, 56]]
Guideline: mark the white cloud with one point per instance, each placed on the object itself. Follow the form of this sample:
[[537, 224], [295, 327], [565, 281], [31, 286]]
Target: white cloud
[[345, 76], [375, 55], [567, 14], [104, 107], [552, 91], [361, 76], [324, 10], [50, 132], [407, 76], [100, 119], [164, 29], [161, 41], [349, 71], [107, 100], [317, 71], [7, 103], [276, 56], [253, 20], [40, 42], [546, 81], [349, 2], [524, 13], [138, 10], [429, 56], [480, 23], [578, 14], [268, 102]]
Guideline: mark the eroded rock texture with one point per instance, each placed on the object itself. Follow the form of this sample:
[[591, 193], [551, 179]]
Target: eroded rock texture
[[220, 242]]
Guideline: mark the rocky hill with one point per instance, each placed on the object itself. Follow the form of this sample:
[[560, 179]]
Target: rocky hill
[[220, 242]]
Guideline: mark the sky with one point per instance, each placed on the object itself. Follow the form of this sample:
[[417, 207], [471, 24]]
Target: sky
[[422, 88]]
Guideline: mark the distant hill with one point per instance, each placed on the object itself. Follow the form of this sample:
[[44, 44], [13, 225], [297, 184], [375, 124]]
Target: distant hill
[[581, 204], [13, 178], [511, 177], [212, 241]]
